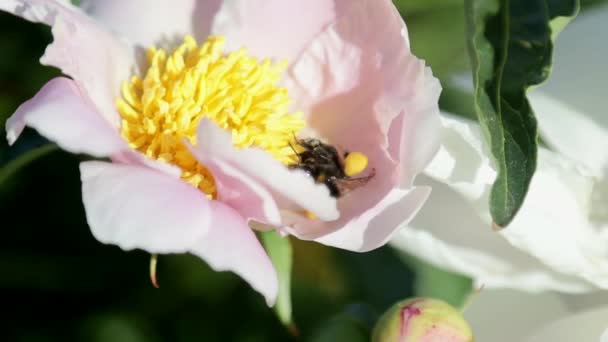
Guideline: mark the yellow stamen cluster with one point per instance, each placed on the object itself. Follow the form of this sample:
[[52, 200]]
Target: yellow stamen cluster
[[236, 91]]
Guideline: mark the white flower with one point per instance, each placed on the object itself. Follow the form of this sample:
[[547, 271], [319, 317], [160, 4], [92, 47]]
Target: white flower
[[559, 238], [508, 315]]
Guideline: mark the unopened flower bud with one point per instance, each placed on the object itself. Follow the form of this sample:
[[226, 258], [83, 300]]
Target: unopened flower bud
[[422, 320]]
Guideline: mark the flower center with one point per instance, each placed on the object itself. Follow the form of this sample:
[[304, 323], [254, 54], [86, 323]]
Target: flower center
[[236, 91]]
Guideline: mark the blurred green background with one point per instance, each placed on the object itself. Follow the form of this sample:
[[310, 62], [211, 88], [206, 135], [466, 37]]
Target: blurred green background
[[57, 283]]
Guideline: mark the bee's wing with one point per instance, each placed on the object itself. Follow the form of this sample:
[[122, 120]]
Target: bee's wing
[[349, 184]]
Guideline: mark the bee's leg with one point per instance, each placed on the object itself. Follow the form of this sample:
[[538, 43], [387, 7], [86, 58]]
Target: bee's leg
[[364, 179], [295, 151], [334, 188]]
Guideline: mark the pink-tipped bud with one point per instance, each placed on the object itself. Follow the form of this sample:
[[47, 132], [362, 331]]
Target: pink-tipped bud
[[422, 320]]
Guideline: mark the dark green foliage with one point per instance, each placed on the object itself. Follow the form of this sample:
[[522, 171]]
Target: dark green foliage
[[510, 43]]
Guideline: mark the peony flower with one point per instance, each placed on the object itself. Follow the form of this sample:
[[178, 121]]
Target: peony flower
[[558, 240], [509, 315], [422, 320], [200, 109]]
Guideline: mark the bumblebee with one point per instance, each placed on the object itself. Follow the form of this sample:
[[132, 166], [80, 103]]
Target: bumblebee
[[324, 164]]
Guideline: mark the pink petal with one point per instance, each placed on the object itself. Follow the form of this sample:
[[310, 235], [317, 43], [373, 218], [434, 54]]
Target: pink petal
[[61, 114], [216, 144], [267, 28], [357, 209], [275, 28], [137, 158], [95, 59], [419, 127], [376, 226], [231, 245], [366, 92], [150, 22], [137, 207], [359, 76], [239, 191]]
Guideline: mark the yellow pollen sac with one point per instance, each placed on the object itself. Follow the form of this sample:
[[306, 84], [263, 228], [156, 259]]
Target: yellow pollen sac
[[354, 163], [310, 215], [236, 91]]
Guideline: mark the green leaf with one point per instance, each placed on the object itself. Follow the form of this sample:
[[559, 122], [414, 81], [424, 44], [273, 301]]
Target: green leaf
[[439, 25], [455, 100], [510, 47], [10, 168], [343, 327], [434, 282], [280, 252], [410, 7]]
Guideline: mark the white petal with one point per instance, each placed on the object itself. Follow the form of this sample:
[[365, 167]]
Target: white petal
[[462, 160], [571, 105], [507, 315], [550, 244], [449, 233], [510, 316], [553, 223], [570, 132], [579, 73], [585, 326]]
